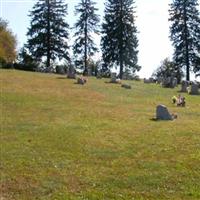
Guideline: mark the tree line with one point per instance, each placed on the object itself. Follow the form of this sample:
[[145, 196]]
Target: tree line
[[48, 36]]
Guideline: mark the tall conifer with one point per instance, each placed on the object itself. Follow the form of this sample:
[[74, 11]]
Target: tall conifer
[[119, 41], [185, 34], [48, 32], [86, 25]]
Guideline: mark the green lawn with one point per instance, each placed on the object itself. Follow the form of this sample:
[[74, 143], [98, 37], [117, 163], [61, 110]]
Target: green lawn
[[63, 141]]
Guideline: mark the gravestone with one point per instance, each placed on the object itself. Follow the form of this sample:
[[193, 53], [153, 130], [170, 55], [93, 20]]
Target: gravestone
[[184, 86], [113, 77], [159, 80], [99, 76], [126, 86], [81, 80], [71, 72], [89, 71], [148, 80], [174, 82], [169, 82], [194, 89], [162, 113], [166, 82]]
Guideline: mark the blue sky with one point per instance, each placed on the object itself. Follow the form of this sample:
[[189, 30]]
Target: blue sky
[[152, 24]]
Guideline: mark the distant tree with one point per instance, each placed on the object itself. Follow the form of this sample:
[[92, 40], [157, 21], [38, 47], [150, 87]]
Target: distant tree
[[86, 25], [166, 69], [48, 32], [185, 34], [8, 43], [25, 61], [119, 41]]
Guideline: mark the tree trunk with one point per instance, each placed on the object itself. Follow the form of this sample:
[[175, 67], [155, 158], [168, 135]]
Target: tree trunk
[[121, 43], [48, 36], [86, 37], [187, 62]]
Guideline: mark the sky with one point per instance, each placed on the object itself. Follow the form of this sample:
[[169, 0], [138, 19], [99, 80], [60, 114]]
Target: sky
[[151, 21]]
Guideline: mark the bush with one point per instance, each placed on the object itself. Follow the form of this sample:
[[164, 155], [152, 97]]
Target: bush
[[25, 67], [168, 69], [25, 61]]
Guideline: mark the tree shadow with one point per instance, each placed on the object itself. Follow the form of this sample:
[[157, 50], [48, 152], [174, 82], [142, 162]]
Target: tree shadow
[[60, 77]]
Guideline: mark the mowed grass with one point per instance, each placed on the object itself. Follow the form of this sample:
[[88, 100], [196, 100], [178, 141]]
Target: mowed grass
[[63, 141]]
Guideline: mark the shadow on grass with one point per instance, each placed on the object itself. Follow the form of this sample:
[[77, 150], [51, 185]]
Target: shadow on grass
[[78, 83], [117, 83], [154, 119], [162, 120], [60, 77]]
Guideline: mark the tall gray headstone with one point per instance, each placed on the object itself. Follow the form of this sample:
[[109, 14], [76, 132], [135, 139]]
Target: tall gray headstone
[[71, 72], [162, 113], [113, 77], [174, 82], [194, 89], [184, 86]]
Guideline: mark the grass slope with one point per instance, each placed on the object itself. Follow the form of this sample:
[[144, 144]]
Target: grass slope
[[64, 141]]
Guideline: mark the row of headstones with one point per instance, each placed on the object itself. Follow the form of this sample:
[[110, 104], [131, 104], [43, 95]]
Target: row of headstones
[[71, 73], [114, 79], [81, 80], [171, 82], [192, 88]]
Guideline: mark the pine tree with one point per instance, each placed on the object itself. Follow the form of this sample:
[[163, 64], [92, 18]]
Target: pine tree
[[86, 25], [119, 41], [185, 34], [48, 33]]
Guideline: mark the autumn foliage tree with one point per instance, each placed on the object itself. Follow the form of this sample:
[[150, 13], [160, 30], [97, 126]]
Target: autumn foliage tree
[[7, 44]]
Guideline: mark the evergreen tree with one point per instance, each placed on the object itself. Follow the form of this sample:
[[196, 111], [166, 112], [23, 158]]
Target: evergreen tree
[[119, 41], [48, 34], [86, 25], [185, 34]]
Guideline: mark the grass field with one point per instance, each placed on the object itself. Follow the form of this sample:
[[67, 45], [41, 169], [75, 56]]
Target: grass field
[[63, 141]]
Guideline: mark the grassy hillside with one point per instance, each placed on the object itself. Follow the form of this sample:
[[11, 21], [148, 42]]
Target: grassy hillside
[[63, 141]]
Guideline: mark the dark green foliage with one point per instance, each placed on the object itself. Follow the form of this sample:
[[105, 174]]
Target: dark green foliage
[[26, 61], [48, 32], [185, 34], [168, 69], [119, 41], [61, 69], [87, 24]]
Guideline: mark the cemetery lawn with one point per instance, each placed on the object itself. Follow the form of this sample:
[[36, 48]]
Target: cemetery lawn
[[63, 141]]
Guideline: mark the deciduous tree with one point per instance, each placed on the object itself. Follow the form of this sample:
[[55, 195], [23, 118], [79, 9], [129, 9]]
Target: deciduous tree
[[7, 43]]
